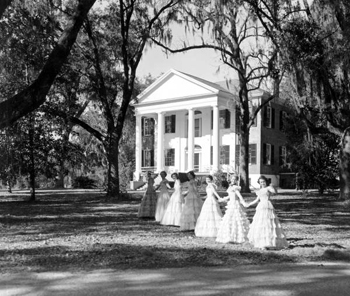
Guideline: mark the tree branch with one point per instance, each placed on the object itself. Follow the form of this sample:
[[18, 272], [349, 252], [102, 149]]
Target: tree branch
[[34, 95]]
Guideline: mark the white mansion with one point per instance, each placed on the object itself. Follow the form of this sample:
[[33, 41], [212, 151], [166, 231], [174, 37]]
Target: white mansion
[[186, 123]]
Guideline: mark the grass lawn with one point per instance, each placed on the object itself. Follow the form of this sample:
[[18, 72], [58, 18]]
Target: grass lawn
[[72, 230]]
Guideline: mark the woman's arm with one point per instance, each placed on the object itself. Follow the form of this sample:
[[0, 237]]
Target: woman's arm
[[272, 189], [215, 193], [241, 199], [253, 202]]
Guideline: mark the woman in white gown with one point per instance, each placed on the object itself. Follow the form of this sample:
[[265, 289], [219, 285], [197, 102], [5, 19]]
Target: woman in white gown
[[266, 230], [192, 206], [174, 208], [235, 224], [210, 217], [163, 197]]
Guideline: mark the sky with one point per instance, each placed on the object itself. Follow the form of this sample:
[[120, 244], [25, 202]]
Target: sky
[[203, 63]]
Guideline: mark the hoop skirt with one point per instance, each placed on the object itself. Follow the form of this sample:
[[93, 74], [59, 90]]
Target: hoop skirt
[[210, 217], [162, 201], [191, 208], [173, 210], [266, 230], [234, 226], [148, 204]]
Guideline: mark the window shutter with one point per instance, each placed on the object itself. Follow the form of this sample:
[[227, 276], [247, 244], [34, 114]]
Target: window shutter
[[264, 154], [281, 120], [228, 119], [252, 152], [211, 155], [272, 117], [211, 119], [272, 154], [143, 158], [143, 125], [173, 123], [152, 157], [265, 116], [280, 161]]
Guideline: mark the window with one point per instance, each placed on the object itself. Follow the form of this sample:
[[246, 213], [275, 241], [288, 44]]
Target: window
[[225, 154], [170, 123], [283, 116], [148, 158], [252, 154], [268, 154], [196, 162], [197, 124], [198, 127], [224, 119], [169, 157], [282, 156], [147, 126], [269, 117]]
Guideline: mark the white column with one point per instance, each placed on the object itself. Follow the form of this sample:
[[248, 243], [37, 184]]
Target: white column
[[138, 148], [190, 140], [160, 142], [215, 141]]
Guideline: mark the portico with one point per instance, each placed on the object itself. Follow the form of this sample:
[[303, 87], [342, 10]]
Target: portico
[[178, 124]]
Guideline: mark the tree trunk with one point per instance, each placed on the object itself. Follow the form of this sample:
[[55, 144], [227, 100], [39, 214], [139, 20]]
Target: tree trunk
[[32, 160], [344, 166], [244, 136], [244, 162], [113, 164]]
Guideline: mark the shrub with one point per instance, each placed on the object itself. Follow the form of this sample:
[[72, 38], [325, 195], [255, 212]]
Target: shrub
[[84, 182]]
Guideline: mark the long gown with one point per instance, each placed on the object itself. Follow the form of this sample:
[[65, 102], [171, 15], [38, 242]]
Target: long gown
[[210, 217], [235, 224], [266, 230], [162, 201], [174, 208], [148, 204], [191, 208]]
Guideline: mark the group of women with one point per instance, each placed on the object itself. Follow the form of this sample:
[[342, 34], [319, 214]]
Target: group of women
[[188, 211]]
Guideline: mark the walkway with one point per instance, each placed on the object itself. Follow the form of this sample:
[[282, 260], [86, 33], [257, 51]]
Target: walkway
[[311, 279]]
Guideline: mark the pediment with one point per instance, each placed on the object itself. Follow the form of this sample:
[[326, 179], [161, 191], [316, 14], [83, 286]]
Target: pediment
[[176, 85]]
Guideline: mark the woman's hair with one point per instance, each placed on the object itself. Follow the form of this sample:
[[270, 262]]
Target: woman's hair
[[192, 174], [210, 177], [175, 174], [149, 173], [263, 178], [163, 173]]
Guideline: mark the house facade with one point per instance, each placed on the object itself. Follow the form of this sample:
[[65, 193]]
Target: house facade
[[185, 123]]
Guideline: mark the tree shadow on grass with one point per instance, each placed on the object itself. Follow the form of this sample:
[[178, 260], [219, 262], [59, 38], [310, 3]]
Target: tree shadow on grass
[[311, 210], [85, 229]]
